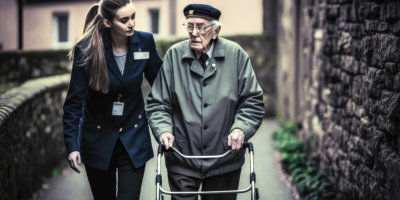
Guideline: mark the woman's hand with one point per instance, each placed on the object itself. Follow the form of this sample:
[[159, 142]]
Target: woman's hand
[[74, 159], [167, 139]]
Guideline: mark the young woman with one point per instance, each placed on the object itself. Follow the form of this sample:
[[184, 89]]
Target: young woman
[[105, 102]]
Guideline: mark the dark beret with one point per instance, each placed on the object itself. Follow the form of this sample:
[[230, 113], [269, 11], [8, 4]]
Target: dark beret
[[201, 10]]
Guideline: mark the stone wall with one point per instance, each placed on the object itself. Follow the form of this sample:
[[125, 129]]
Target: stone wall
[[261, 49], [19, 66], [31, 139], [348, 78]]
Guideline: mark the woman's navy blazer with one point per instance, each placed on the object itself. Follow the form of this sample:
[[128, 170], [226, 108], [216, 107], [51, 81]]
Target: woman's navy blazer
[[91, 111]]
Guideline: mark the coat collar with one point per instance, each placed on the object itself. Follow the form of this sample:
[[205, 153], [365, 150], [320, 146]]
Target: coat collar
[[219, 51], [211, 68]]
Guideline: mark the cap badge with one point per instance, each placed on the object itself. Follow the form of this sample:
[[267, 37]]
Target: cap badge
[[191, 12]]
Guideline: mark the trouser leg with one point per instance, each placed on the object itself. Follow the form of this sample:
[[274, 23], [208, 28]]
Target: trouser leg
[[179, 182], [102, 183], [229, 181], [129, 178], [129, 182]]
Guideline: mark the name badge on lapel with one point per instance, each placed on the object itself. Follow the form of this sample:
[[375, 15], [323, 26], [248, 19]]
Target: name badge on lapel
[[118, 109], [141, 55]]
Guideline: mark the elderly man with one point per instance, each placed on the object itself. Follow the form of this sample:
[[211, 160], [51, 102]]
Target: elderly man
[[204, 101]]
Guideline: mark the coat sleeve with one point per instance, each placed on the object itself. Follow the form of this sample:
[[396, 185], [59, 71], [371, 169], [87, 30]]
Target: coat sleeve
[[159, 108], [154, 64], [73, 104], [250, 109]]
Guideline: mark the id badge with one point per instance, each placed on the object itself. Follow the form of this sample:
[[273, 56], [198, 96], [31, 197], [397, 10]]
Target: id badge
[[118, 109], [141, 55]]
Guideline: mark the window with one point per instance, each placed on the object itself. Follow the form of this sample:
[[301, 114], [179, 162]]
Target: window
[[154, 20], [60, 30]]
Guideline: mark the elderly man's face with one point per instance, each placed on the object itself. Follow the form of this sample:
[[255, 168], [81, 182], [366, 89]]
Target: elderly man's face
[[203, 32]]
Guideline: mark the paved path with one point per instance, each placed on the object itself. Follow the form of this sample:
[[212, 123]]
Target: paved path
[[72, 186]]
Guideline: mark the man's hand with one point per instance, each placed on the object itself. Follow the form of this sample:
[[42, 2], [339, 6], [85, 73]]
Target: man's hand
[[167, 139], [235, 139], [74, 159]]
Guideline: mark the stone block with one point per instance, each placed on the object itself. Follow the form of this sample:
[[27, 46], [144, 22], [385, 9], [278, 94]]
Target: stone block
[[355, 30], [369, 10], [397, 82], [332, 12], [392, 68], [392, 11], [395, 27]]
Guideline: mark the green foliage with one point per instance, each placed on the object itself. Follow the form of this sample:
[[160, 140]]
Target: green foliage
[[56, 171], [309, 182]]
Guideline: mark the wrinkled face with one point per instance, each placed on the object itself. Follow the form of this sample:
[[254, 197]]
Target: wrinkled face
[[123, 23], [200, 34]]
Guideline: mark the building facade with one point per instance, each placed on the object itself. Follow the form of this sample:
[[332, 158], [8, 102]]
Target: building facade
[[59, 23]]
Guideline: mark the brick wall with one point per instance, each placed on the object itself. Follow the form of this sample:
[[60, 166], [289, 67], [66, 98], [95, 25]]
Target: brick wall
[[31, 139], [348, 78]]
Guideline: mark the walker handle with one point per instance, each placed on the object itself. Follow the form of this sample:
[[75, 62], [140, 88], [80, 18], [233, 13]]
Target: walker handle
[[248, 145]]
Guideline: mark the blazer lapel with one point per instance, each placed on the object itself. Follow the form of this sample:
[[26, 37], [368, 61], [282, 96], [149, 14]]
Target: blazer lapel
[[111, 63], [133, 43]]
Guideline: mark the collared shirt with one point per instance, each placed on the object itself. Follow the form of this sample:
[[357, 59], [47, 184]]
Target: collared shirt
[[209, 53]]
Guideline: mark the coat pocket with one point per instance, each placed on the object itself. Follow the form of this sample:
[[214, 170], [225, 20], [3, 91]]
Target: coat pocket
[[225, 142], [180, 141]]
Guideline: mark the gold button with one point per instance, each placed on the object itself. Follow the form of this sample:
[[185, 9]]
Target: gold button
[[98, 127], [120, 130], [136, 126], [140, 116]]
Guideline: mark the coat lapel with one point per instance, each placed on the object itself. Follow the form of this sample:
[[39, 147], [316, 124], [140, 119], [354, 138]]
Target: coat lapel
[[195, 66], [218, 53], [111, 63], [133, 43]]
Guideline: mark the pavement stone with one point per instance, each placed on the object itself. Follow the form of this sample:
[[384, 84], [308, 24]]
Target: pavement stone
[[72, 186]]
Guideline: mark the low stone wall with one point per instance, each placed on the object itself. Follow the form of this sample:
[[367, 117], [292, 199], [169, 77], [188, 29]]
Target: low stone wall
[[19, 66], [31, 139], [261, 49]]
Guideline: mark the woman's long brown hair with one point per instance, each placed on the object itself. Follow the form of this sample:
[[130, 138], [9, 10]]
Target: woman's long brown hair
[[93, 57]]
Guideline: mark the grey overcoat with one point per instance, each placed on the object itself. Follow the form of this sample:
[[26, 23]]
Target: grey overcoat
[[201, 107]]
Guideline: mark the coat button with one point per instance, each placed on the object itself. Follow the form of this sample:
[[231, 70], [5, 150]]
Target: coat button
[[205, 127], [140, 116], [135, 126], [98, 127], [204, 84], [120, 130], [205, 105], [204, 146]]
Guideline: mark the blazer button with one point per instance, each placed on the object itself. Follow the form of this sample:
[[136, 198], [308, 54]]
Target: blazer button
[[204, 146], [140, 116], [135, 125], [204, 84], [120, 130], [205, 105], [98, 127], [205, 127]]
